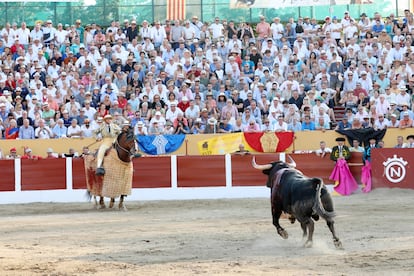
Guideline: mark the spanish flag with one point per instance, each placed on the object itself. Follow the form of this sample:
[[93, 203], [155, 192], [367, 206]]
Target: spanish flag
[[176, 9]]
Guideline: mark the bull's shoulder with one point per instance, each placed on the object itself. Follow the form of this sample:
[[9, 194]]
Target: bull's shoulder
[[301, 181]]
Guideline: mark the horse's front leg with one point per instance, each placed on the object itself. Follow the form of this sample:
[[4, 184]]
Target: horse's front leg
[[112, 202], [101, 202]]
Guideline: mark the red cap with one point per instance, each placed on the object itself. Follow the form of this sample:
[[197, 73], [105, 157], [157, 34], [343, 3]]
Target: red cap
[[13, 150]]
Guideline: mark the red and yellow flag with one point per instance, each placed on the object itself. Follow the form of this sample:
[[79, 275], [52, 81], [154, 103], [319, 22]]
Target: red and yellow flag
[[176, 9]]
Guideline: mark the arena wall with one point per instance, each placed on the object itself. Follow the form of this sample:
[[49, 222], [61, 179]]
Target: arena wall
[[304, 141], [155, 178]]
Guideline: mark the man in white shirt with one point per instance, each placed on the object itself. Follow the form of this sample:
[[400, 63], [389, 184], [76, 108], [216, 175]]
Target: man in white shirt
[[173, 112], [323, 149], [87, 129], [217, 29], [43, 131], [277, 31], [23, 33], [60, 35]]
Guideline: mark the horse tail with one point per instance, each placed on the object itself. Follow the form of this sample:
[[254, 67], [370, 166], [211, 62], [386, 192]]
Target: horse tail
[[319, 207], [88, 195]]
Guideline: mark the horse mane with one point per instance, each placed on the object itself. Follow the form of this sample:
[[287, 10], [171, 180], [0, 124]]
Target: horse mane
[[129, 134]]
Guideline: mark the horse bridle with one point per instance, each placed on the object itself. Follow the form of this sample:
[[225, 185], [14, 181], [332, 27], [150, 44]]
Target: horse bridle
[[130, 152]]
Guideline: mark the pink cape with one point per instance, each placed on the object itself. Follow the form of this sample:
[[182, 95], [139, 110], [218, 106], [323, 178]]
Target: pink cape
[[345, 183], [366, 177]]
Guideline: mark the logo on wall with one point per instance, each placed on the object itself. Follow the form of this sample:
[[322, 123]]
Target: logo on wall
[[395, 169]]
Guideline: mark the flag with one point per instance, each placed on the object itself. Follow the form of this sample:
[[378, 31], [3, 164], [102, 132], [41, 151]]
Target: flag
[[176, 9], [269, 141], [363, 135], [160, 144], [220, 144]]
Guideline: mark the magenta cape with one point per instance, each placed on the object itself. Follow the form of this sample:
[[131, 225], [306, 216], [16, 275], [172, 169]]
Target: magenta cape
[[345, 183], [366, 177]]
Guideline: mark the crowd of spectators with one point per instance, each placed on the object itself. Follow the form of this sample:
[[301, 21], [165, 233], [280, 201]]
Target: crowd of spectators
[[194, 77]]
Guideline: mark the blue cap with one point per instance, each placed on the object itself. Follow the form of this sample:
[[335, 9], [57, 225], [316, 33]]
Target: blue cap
[[334, 17]]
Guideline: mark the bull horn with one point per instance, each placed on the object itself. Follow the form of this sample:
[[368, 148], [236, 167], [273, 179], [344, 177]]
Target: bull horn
[[292, 162], [260, 167]]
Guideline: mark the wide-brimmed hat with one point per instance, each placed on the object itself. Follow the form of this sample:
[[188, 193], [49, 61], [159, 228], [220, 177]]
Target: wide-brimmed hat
[[212, 121], [340, 139]]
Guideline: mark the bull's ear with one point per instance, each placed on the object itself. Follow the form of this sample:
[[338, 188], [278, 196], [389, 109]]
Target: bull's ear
[[266, 172]]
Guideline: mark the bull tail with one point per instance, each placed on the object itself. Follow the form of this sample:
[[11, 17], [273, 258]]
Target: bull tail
[[318, 207]]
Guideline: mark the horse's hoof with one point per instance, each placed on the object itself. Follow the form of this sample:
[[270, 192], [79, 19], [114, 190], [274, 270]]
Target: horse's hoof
[[123, 208], [102, 206], [283, 233], [100, 171], [308, 244]]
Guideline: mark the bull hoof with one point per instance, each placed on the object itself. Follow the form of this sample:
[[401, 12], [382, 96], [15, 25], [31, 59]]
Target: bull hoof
[[101, 206], [308, 244], [283, 233], [100, 171], [338, 244]]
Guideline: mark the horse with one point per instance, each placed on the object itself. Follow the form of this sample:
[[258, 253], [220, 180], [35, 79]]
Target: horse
[[117, 180]]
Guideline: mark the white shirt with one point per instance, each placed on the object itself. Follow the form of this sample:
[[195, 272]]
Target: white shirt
[[71, 130], [277, 30], [44, 133]]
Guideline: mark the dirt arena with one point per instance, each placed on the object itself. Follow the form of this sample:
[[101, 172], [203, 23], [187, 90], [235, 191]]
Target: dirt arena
[[206, 237]]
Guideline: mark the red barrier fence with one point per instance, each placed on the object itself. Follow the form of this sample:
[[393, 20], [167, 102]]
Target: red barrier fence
[[390, 168]]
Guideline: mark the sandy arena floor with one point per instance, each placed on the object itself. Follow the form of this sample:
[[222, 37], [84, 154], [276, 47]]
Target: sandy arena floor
[[206, 237]]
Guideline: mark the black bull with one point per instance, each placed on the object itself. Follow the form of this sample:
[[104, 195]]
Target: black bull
[[304, 199]]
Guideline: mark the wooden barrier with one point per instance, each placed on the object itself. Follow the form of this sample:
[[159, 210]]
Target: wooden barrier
[[175, 177]]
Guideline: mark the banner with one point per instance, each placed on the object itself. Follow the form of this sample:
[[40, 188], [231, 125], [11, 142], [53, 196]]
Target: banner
[[160, 144], [222, 144], [363, 135], [176, 9], [269, 141], [240, 4]]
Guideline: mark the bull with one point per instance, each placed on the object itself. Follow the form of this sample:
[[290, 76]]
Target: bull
[[305, 199]]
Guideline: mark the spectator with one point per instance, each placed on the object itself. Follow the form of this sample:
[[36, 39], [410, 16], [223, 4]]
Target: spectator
[[400, 142], [241, 150], [356, 147], [13, 154], [140, 129], [50, 154], [323, 150], [410, 141], [308, 124], [74, 130], [26, 131], [43, 131], [12, 132], [29, 155]]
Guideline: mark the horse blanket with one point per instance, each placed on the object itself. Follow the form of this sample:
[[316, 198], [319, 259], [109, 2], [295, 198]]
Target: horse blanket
[[93, 182], [117, 180]]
